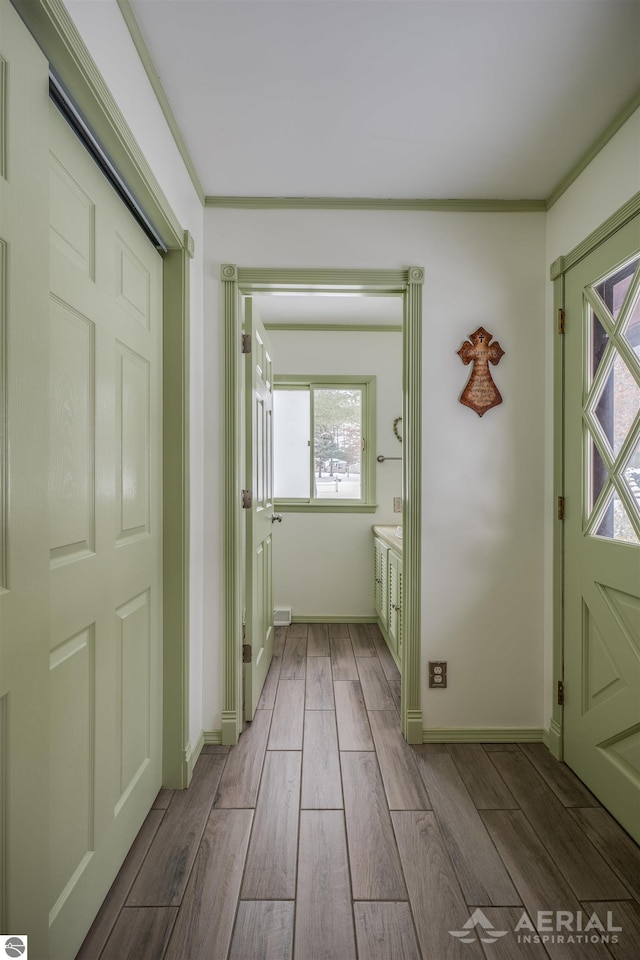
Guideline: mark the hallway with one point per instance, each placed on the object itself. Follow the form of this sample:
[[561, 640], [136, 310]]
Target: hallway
[[323, 836]]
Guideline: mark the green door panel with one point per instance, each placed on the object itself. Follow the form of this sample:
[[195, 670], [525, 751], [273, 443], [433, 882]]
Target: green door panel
[[602, 525]]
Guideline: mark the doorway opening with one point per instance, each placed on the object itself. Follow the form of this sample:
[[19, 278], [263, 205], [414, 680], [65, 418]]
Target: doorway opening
[[275, 292]]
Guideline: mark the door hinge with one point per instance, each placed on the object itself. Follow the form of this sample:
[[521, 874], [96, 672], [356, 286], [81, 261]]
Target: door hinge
[[560, 320], [561, 693], [560, 508], [246, 500], [246, 343], [246, 652]]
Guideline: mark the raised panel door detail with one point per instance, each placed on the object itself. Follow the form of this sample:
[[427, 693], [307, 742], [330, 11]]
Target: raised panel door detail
[[4, 462], [71, 800], [132, 444], [601, 674], [72, 430], [72, 218], [134, 284], [3, 118], [134, 619], [3, 812]]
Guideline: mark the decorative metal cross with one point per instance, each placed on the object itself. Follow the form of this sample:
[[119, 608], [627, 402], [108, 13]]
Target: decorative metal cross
[[480, 393]]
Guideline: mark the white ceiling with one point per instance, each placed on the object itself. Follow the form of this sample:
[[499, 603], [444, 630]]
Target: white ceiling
[[391, 98], [329, 309]]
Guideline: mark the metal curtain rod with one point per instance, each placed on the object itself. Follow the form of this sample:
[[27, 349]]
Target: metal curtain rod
[[382, 459]]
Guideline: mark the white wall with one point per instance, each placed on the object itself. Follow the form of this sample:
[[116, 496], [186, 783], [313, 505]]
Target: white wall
[[323, 563], [611, 179], [104, 31], [483, 521]]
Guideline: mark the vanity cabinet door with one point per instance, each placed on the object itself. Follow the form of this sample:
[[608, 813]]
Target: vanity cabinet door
[[395, 604], [382, 581]]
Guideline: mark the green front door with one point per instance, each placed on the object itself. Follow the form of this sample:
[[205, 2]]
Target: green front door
[[602, 526], [260, 512]]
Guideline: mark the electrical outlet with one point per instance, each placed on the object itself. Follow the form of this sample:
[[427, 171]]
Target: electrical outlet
[[437, 673], [397, 504]]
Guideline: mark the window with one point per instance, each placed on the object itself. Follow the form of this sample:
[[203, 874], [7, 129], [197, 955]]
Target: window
[[324, 443]]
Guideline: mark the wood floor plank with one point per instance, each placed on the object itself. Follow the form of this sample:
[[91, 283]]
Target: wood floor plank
[[487, 788], [114, 901], [343, 662], [511, 946], [434, 893], [481, 873], [354, 732], [500, 747], [279, 640], [567, 787], [614, 843], [363, 645], [298, 630], [201, 932], [324, 915], [319, 690], [288, 716], [391, 671], [294, 658], [338, 631], [215, 748], [270, 871], [402, 781], [376, 873], [264, 930], [140, 932], [385, 931], [240, 779], [624, 914], [318, 640], [587, 872], [321, 781], [268, 696], [375, 688], [163, 799], [539, 881], [375, 633], [163, 875], [396, 692]]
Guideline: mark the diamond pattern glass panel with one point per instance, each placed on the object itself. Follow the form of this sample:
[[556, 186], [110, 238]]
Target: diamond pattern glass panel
[[618, 404], [615, 524], [599, 474], [613, 290], [632, 328], [631, 474], [599, 341]]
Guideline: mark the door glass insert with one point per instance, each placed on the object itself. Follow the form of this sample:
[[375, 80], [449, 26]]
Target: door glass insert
[[599, 341], [632, 327], [615, 523], [613, 289], [631, 474], [599, 474], [618, 404]]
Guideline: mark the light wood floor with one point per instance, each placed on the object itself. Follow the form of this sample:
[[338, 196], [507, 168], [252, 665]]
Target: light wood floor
[[323, 836]]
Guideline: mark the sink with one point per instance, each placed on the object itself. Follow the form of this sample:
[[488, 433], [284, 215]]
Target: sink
[[399, 533]]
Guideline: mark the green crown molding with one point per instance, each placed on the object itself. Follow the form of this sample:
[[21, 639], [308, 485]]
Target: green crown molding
[[56, 34], [149, 66], [373, 203], [336, 327], [358, 282], [589, 155], [484, 735]]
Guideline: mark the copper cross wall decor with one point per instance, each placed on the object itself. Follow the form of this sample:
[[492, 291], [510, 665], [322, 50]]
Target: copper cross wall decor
[[480, 393]]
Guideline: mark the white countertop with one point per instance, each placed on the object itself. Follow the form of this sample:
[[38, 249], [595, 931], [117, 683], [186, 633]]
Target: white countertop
[[387, 533]]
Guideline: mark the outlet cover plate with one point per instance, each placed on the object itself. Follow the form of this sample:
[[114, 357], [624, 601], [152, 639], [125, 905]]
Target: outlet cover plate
[[437, 674]]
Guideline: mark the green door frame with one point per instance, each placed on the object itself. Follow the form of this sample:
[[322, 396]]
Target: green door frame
[[238, 281], [60, 41], [558, 273]]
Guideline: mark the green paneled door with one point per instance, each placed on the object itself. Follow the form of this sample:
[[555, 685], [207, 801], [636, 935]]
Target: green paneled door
[[105, 535], [260, 514], [602, 526]]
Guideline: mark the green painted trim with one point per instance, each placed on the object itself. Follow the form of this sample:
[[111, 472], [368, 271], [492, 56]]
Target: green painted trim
[[618, 219], [553, 740], [373, 203], [149, 67], [557, 666], [336, 327], [176, 518], [191, 755], [411, 702], [213, 736], [483, 735], [236, 281], [233, 482], [619, 120], [331, 506], [332, 619], [58, 37], [3, 118], [189, 244]]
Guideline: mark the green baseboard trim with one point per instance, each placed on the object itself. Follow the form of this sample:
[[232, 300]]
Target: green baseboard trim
[[553, 740], [191, 755], [213, 736], [483, 735], [332, 619], [231, 728], [413, 732]]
